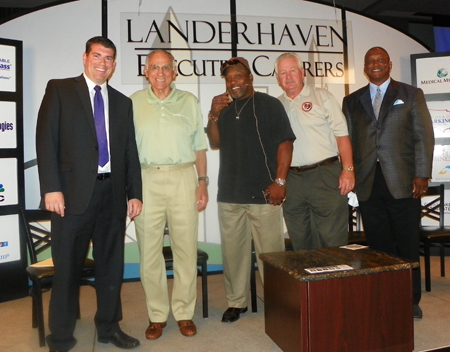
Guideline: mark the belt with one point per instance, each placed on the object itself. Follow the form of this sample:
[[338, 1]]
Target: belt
[[314, 166], [166, 167], [104, 176]]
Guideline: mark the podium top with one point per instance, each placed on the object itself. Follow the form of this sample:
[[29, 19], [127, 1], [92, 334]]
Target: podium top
[[362, 262]]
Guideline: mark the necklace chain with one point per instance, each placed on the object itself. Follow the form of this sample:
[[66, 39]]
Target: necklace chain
[[238, 113]]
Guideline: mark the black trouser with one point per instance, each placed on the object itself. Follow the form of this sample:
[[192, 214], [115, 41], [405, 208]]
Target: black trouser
[[392, 225], [71, 236]]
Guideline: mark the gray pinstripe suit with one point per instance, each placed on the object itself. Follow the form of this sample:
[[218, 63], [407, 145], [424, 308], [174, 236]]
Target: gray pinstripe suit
[[388, 154]]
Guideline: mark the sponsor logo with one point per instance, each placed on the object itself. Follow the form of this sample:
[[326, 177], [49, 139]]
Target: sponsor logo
[[4, 244], [2, 189], [441, 75], [444, 170], [6, 126], [5, 64]]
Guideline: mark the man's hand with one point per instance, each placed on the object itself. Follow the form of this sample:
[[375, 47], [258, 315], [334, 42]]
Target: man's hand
[[219, 103], [134, 208], [420, 186], [275, 194], [346, 181], [202, 196], [54, 202]]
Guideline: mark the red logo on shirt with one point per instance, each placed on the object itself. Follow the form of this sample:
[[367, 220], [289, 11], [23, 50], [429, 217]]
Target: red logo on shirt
[[307, 107]]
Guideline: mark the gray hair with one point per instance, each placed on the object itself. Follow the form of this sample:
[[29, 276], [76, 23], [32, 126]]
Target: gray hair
[[288, 55]]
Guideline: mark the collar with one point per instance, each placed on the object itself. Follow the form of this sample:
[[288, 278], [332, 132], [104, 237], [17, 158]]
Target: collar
[[304, 93], [383, 87], [91, 84], [152, 98]]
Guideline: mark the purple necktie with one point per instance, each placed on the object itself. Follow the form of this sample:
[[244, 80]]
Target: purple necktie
[[99, 117]]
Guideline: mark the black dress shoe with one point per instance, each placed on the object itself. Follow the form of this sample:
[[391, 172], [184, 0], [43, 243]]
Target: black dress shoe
[[232, 314], [121, 340], [417, 312]]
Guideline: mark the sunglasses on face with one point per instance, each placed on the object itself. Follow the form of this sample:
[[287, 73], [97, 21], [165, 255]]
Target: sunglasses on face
[[231, 62]]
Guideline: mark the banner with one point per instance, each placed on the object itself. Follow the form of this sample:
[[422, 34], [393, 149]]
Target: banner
[[8, 182], [9, 241], [202, 43], [8, 133], [7, 68]]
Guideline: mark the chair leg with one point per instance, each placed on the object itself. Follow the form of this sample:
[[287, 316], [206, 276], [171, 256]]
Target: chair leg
[[37, 297], [442, 254], [253, 283], [34, 323], [78, 309], [427, 266], [205, 287]]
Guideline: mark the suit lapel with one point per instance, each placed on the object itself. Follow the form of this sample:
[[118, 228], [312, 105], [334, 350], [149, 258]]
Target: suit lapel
[[83, 93], [366, 102], [112, 110], [389, 98]]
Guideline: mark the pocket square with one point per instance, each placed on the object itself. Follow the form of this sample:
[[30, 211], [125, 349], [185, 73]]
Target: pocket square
[[398, 102]]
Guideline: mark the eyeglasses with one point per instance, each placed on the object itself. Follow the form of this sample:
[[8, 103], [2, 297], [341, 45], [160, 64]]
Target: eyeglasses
[[156, 68]]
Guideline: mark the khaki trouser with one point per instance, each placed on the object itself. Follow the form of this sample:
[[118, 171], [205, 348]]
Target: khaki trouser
[[239, 223], [169, 193]]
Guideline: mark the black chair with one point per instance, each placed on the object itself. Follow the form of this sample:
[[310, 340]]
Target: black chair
[[202, 270], [432, 236], [253, 294], [40, 274], [355, 233]]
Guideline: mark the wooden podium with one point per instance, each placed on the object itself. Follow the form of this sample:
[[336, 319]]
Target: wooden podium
[[365, 309]]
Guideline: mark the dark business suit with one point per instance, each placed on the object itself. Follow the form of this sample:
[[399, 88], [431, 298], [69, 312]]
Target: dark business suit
[[402, 141], [67, 153]]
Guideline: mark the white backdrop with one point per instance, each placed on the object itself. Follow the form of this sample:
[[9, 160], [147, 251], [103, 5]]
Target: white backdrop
[[54, 39]]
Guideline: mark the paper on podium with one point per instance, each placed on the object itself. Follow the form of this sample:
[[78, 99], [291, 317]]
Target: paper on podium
[[328, 269]]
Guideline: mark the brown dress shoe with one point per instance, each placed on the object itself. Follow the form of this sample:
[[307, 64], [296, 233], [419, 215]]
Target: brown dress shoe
[[187, 327], [154, 330]]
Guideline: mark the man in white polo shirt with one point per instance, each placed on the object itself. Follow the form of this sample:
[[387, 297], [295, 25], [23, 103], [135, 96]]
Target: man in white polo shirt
[[321, 173]]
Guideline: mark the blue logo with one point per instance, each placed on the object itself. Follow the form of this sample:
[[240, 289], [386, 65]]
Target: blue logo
[[4, 244], [2, 189]]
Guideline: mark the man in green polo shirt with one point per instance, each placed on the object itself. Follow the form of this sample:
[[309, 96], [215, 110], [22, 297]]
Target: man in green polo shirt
[[172, 150]]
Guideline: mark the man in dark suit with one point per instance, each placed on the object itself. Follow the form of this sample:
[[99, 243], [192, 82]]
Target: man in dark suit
[[393, 141], [86, 181]]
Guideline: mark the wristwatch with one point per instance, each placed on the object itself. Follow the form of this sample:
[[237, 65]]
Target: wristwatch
[[349, 168], [205, 178], [280, 182]]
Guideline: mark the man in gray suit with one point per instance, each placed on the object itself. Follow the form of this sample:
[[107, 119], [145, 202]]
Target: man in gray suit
[[392, 135]]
